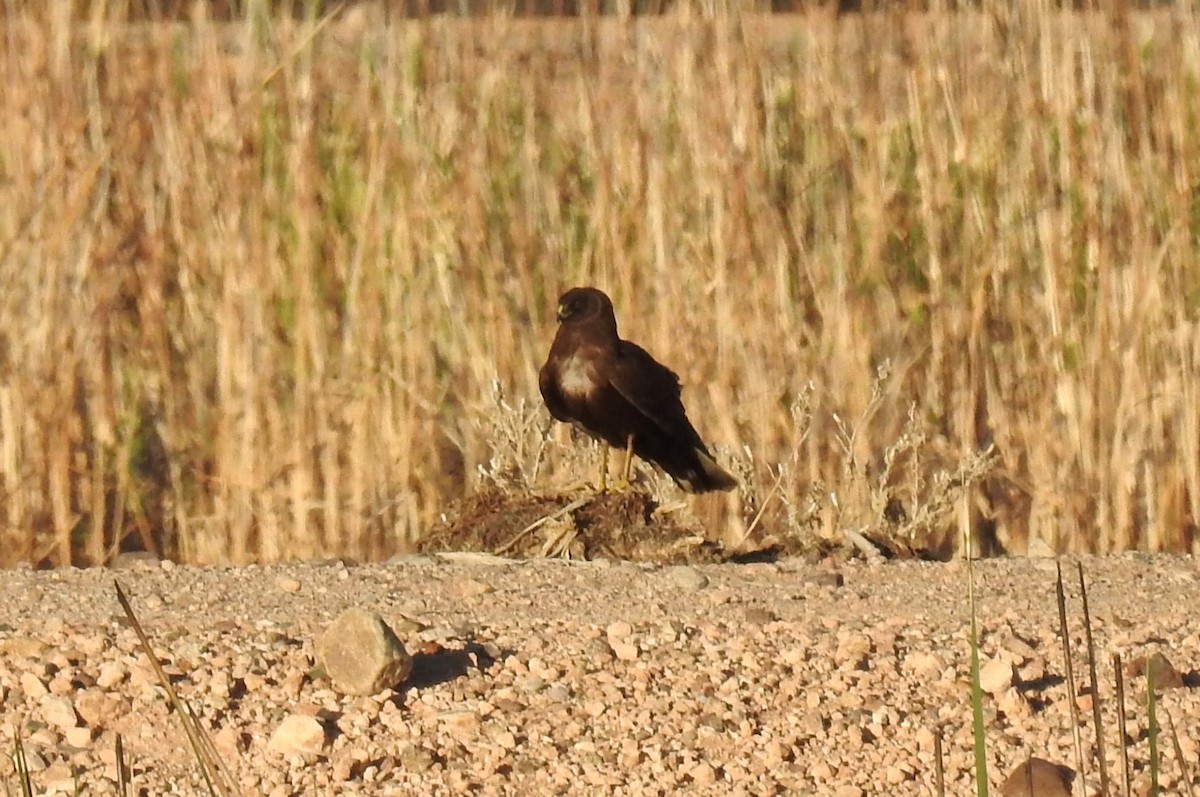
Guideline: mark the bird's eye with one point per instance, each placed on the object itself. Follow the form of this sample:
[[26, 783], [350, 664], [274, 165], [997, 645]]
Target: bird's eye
[[573, 306]]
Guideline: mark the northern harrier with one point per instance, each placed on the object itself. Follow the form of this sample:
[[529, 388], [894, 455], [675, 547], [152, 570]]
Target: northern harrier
[[617, 393]]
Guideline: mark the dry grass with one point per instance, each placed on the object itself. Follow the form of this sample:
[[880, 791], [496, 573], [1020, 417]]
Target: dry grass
[[260, 278]]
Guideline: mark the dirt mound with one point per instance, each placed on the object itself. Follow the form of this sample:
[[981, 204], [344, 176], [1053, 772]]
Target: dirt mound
[[626, 525]]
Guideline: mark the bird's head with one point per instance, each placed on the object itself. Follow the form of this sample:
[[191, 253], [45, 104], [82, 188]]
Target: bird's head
[[580, 305]]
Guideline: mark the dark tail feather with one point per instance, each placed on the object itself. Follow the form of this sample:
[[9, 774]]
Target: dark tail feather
[[705, 476]]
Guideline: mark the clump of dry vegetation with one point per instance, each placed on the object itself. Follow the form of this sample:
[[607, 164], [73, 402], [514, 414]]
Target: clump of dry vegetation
[[260, 277]]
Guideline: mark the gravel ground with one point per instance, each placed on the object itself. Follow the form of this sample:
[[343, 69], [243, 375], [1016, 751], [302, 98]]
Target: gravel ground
[[550, 677]]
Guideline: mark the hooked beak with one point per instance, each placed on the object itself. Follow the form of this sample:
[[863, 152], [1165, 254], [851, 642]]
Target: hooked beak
[[562, 313]]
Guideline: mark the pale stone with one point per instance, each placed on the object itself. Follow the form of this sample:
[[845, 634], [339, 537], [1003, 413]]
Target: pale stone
[[703, 774], [298, 734], [33, 686], [996, 676], [926, 665], [78, 737], [111, 674], [687, 578], [618, 631], [290, 585], [99, 709], [59, 712]]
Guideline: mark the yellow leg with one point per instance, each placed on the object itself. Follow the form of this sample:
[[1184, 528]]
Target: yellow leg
[[627, 468], [602, 477]]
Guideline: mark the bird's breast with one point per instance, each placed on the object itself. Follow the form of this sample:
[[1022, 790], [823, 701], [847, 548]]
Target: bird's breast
[[577, 378]]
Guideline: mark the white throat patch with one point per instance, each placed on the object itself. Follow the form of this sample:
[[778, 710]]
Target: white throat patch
[[575, 378]]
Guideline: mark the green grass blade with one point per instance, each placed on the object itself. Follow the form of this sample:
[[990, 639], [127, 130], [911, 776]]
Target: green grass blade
[[1096, 716], [1152, 718]]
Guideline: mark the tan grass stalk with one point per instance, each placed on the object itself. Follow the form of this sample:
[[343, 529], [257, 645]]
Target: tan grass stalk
[[1185, 771], [1101, 760], [258, 283], [1122, 733], [21, 763], [939, 765], [216, 775], [1068, 664]]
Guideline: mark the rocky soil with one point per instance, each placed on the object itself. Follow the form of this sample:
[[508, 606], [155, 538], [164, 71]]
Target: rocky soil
[[550, 677]]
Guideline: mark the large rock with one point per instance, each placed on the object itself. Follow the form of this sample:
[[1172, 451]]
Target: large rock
[[1165, 674], [1038, 777], [362, 655]]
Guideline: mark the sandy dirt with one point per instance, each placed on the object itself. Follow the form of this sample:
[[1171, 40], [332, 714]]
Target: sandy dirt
[[555, 677]]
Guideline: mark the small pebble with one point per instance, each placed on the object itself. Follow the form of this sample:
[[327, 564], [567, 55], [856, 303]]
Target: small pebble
[[687, 578]]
